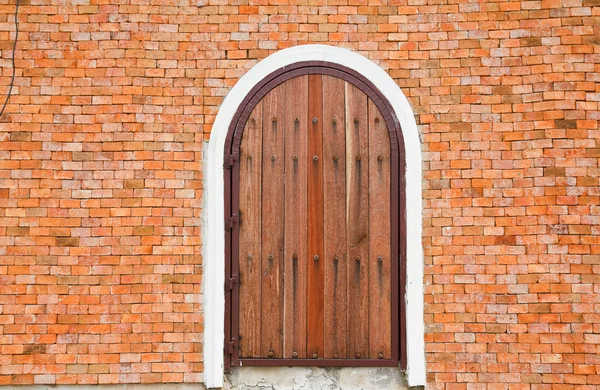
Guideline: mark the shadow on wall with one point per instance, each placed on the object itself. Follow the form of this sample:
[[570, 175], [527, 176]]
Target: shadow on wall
[[308, 378]]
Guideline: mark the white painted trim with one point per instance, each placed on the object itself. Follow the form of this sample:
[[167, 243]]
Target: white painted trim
[[213, 221]]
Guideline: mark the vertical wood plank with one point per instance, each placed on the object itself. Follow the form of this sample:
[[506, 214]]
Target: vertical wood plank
[[334, 217], [296, 223], [380, 306], [250, 235], [272, 222], [315, 341], [357, 230]]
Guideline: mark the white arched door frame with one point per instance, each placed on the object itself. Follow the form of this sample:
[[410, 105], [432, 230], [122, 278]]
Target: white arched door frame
[[213, 222]]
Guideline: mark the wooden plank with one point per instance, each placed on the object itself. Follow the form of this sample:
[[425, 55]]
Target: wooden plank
[[272, 223], [315, 341], [334, 217], [357, 229], [380, 305], [296, 220], [250, 235]]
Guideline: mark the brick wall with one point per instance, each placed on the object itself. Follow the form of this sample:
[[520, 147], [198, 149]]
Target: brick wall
[[101, 186]]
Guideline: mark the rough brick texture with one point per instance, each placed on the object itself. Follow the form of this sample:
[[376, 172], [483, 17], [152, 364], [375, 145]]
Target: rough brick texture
[[101, 186]]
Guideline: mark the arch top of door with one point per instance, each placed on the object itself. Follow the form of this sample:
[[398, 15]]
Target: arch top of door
[[213, 223], [301, 68]]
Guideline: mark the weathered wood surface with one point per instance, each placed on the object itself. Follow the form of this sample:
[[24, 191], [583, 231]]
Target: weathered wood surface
[[334, 213], [380, 331], [315, 218], [296, 219], [315, 224], [250, 235], [357, 211], [274, 108]]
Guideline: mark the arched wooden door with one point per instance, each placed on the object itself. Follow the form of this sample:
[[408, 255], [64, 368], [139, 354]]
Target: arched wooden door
[[314, 212]]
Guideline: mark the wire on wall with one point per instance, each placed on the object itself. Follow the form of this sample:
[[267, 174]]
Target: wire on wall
[[12, 80]]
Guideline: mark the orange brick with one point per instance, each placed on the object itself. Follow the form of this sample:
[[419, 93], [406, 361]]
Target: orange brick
[[101, 180]]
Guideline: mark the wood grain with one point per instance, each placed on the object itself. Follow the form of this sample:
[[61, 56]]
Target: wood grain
[[315, 218], [296, 219], [315, 244], [273, 221], [380, 306], [250, 234], [334, 217], [357, 230]]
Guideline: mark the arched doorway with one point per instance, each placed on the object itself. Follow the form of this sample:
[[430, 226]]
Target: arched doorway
[[215, 247], [315, 249]]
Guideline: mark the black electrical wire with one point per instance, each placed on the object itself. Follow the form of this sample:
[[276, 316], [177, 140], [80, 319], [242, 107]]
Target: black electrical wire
[[12, 81]]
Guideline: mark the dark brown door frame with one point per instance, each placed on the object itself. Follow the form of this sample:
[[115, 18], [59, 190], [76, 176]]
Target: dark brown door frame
[[398, 212]]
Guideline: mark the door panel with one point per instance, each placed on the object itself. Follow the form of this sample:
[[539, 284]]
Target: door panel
[[357, 228], [315, 218], [380, 242], [315, 259], [334, 206], [296, 226], [250, 234], [275, 106]]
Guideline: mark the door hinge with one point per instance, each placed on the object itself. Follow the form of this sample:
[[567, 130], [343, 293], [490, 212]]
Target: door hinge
[[231, 346], [231, 221], [230, 161], [232, 282]]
